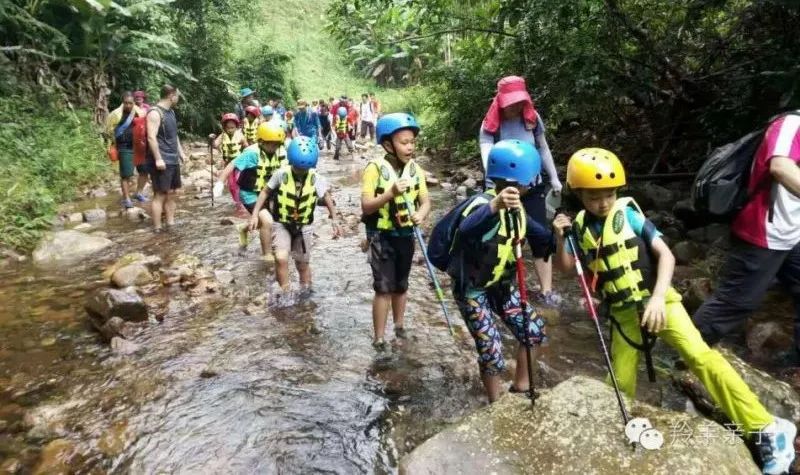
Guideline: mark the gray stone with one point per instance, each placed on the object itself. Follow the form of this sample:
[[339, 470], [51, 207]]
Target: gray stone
[[710, 233], [68, 246], [224, 277], [102, 234], [430, 180], [470, 183], [94, 215], [104, 304], [82, 227], [697, 291], [687, 251], [574, 428], [75, 218], [767, 338], [121, 346], [132, 274], [447, 186], [461, 191], [135, 214]]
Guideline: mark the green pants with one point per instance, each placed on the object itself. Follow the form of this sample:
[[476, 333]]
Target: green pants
[[726, 387], [125, 163]]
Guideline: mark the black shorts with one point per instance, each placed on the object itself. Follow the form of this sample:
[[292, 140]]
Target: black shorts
[[249, 207], [534, 204], [390, 258], [165, 180]]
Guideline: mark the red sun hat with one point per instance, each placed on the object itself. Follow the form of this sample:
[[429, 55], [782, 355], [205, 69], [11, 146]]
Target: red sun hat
[[511, 90], [140, 94]]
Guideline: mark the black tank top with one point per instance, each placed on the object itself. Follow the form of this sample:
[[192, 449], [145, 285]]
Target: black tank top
[[167, 136]]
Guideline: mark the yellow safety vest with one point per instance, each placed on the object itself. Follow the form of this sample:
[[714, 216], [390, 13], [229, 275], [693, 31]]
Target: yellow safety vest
[[230, 147], [394, 214], [494, 259], [620, 260], [341, 125], [293, 207], [255, 179], [250, 129]]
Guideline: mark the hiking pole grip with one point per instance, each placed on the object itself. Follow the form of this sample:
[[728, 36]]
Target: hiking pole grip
[[587, 295]]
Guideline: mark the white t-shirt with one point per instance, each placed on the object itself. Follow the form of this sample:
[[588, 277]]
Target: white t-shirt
[[366, 112]]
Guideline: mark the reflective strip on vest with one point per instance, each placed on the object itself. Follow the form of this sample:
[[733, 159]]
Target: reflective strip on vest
[[266, 167], [230, 148], [394, 214], [622, 266], [341, 125], [294, 208], [250, 130]]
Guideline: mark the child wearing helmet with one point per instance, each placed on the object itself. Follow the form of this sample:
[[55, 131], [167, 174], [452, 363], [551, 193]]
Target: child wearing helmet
[[256, 165], [631, 268], [484, 264], [267, 114], [340, 126], [295, 190], [388, 185], [230, 143], [250, 123]]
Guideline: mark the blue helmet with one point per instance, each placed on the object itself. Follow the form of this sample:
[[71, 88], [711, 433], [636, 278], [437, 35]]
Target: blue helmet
[[341, 112], [267, 110], [303, 152], [514, 161], [391, 123]]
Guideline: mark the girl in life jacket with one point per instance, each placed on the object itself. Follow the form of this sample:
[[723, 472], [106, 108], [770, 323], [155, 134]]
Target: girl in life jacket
[[230, 143]]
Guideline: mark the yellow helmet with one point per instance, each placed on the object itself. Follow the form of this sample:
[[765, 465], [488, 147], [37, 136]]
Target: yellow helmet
[[271, 132], [594, 168]]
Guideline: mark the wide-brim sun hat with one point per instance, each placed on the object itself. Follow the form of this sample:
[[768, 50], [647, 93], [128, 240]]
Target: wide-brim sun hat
[[512, 90], [246, 91]]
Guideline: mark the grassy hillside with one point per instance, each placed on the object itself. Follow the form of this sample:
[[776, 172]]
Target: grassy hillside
[[296, 28]]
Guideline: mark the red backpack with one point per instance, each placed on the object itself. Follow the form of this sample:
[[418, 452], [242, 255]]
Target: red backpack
[[139, 140]]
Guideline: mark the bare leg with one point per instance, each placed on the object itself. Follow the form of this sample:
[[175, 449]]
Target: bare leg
[[380, 310], [399, 308], [158, 207], [171, 206], [125, 192], [282, 269], [304, 269], [521, 373], [544, 271], [265, 232], [491, 382], [141, 181]]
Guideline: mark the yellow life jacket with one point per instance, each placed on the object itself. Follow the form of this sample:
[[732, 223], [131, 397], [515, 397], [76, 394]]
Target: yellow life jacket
[[493, 260], [341, 125], [230, 147], [250, 129], [620, 260], [394, 214], [291, 206], [255, 179]]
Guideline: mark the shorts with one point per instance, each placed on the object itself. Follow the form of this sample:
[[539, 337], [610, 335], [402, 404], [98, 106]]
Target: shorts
[[390, 258], [249, 207], [165, 180], [125, 162], [299, 244], [534, 204], [142, 169]]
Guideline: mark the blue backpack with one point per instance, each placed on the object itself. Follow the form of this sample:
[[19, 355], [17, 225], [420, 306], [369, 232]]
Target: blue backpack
[[443, 239]]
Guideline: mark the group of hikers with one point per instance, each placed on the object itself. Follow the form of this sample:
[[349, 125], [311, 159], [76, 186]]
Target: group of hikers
[[270, 157]]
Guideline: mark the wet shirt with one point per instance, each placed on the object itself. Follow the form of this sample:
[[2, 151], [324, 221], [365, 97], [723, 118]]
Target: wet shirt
[[771, 217]]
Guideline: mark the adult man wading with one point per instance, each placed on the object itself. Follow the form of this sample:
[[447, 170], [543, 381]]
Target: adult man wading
[[119, 128], [163, 151]]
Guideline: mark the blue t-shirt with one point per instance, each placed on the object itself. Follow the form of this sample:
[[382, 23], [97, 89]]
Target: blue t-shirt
[[247, 159], [641, 226]]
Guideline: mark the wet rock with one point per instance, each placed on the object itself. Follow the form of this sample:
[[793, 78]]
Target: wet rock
[[117, 327], [98, 193], [135, 214], [461, 192], [11, 466], [121, 346], [430, 180], [687, 251], [697, 291], [47, 421], [209, 373], [101, 234], [778, 397], [113, 214], [767, 338], [224, 277], [68, 246], [226, 221], [470, 183], [710, 233], [652, 196], [447, 186], [114, 440], [95, 215], [104, 304], [75, 218], [13, 255], [56, 457], [132, 274], [574, 428], [82, 227], [152, 263]]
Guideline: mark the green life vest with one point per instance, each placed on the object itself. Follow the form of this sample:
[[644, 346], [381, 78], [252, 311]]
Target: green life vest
[[394, 214], [230, 147], [293, 206], [255, 179]]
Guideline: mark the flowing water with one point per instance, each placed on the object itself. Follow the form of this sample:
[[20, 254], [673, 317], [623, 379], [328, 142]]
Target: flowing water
[[226, 385]]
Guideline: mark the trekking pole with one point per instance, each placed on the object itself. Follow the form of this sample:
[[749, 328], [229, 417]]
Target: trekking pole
[[421, 241], [587, 294], [211, 167], [523, 300]]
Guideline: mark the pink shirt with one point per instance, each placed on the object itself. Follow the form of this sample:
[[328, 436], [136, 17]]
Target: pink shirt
[[771, 217]]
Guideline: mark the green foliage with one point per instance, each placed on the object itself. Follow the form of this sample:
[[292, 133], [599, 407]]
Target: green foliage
[[45, 157]]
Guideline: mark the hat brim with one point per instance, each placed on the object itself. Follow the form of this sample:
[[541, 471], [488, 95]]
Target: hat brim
[[511, 98]]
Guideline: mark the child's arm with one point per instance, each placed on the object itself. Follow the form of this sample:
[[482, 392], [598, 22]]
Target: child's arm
[[424, 209], [328, 199], [223, 175], [218, 141], [563, 261], [654, 316], [262, 198]]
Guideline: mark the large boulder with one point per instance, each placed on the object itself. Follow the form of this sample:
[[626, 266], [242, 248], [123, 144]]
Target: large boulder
[[652, 196], [94, 215], [709, 234], [103, 304], [687, 251], [67, 247], [132, 274], [576, 428]]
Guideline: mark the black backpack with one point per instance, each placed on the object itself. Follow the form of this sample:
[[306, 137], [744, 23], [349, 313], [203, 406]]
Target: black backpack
[[719, 190], [443, 239]]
